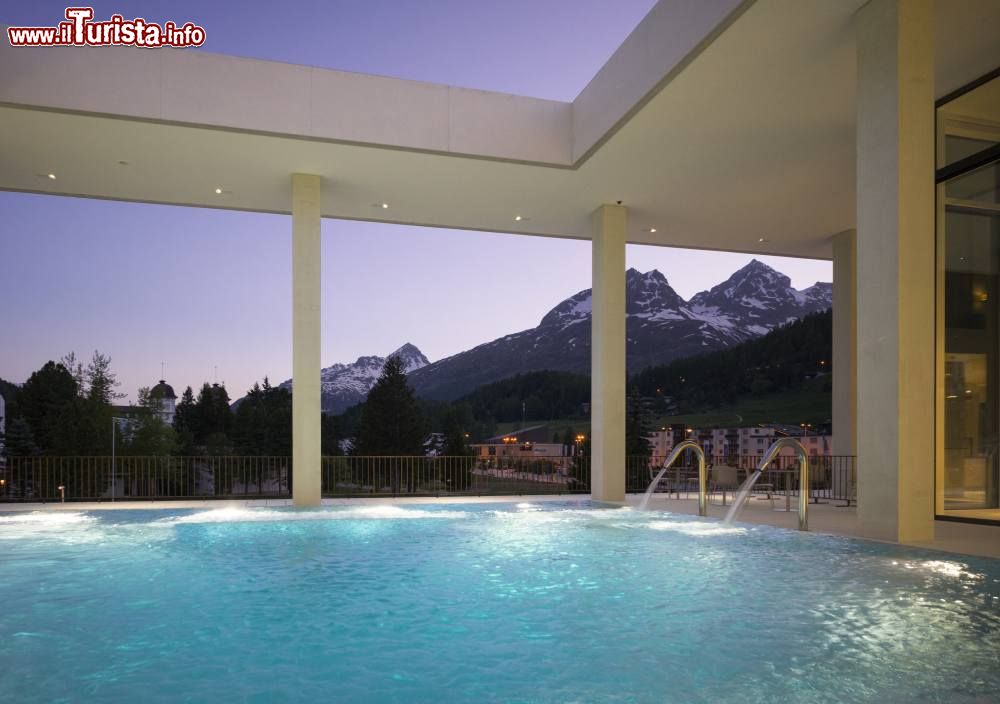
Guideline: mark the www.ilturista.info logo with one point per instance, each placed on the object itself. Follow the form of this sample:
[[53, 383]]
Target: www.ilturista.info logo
[[80, 30]]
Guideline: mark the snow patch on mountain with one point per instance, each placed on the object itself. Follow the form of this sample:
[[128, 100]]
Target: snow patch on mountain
[[343, 385], [660, 326]]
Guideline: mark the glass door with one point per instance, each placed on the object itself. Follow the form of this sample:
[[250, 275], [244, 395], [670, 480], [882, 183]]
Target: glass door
[[969, 305]]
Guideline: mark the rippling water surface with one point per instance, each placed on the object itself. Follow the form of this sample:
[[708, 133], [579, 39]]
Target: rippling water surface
[[484, 603]]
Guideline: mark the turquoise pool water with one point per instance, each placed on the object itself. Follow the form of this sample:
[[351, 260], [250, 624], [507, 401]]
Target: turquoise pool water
[[481, 603]]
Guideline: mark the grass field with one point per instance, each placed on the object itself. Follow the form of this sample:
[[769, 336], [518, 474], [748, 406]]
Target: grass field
[[794, 407], [807, 405], [560, 425]]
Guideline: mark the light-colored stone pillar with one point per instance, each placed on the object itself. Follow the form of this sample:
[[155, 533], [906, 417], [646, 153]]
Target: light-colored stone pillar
[[607, 377], [306, 345], [845, 346], [895, 269]]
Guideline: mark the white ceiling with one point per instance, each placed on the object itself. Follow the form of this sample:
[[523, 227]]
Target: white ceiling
[[753, 138]]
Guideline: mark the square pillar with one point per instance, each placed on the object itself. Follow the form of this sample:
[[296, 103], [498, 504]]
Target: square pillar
[[306, 344], [607, 377], [895, 269], [845, 350]]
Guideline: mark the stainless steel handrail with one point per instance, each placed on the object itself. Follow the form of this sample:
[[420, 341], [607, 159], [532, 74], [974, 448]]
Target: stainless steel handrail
[[803, 457], [702, 474], [769, 457]]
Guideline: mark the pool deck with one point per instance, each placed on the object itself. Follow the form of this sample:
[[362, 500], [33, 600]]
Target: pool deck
[[834, 519], [829, 518]]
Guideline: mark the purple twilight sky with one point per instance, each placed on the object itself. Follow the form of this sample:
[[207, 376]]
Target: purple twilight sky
[[200, 289]]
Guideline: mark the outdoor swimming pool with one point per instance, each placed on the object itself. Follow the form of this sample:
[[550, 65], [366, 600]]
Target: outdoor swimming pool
[[554, 602]]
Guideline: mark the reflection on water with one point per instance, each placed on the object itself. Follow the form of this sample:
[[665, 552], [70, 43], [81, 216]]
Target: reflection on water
[[489, 602]]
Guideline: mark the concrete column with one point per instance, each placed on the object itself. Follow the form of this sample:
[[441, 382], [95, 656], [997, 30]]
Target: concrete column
[[306, 281], [845, 323], [607, 378], [895, 269]]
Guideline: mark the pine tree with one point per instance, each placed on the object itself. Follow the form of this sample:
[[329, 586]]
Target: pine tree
[[391, 421], [100, 380], [46, 402], [19, 441], [212, 419], [456, 443], [184, 422]]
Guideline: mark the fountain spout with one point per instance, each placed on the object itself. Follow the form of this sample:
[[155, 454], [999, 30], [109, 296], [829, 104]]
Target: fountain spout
[[769, 457], [702, 474]]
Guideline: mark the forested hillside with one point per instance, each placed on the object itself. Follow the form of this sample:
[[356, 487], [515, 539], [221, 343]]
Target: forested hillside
[[784, 359]]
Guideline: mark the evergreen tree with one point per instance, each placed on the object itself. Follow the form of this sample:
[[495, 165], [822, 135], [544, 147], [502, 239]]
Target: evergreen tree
[[100, 380], [636, 426], [75, 368], [212, 419], [456, 444], [331, 435], [19, 441], [391, 422], [184, 423], [262, 425], [46, 402]]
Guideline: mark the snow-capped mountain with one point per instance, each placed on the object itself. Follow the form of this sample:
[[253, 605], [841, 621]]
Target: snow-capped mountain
[[660, 326], [344, 385], [757, 298]]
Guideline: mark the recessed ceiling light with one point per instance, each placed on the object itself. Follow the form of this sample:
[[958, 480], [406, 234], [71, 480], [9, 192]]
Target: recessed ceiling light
[[384, 206], [762, 239], [218, 191], [52, 176], [652, 229], [518, 218]]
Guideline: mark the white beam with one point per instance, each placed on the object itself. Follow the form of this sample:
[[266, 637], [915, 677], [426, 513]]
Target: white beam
[[607, 378], [895, 254], [306, 346]]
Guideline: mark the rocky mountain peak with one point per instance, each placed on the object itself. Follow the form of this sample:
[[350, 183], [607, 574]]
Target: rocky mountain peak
[[660, 326], [346, 384], [650, 295], [412, 357]]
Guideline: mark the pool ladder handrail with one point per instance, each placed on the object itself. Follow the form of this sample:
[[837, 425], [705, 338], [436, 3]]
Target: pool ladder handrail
[[702, 471], [803, 457]]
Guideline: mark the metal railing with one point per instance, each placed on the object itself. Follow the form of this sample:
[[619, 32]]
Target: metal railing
[[832, 477], [127, 478], [45, 478], [439, 476], [220, 477]]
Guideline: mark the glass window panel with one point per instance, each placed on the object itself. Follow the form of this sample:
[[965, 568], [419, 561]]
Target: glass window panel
[[969, 124], [972, 342], [977, 188]]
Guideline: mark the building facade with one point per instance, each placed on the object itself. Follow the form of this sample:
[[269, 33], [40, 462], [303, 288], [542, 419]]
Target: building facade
[[164, 393]]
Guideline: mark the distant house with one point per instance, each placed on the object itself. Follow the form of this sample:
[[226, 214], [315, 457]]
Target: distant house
[[725, 444], [164, 392], [532, 442]]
